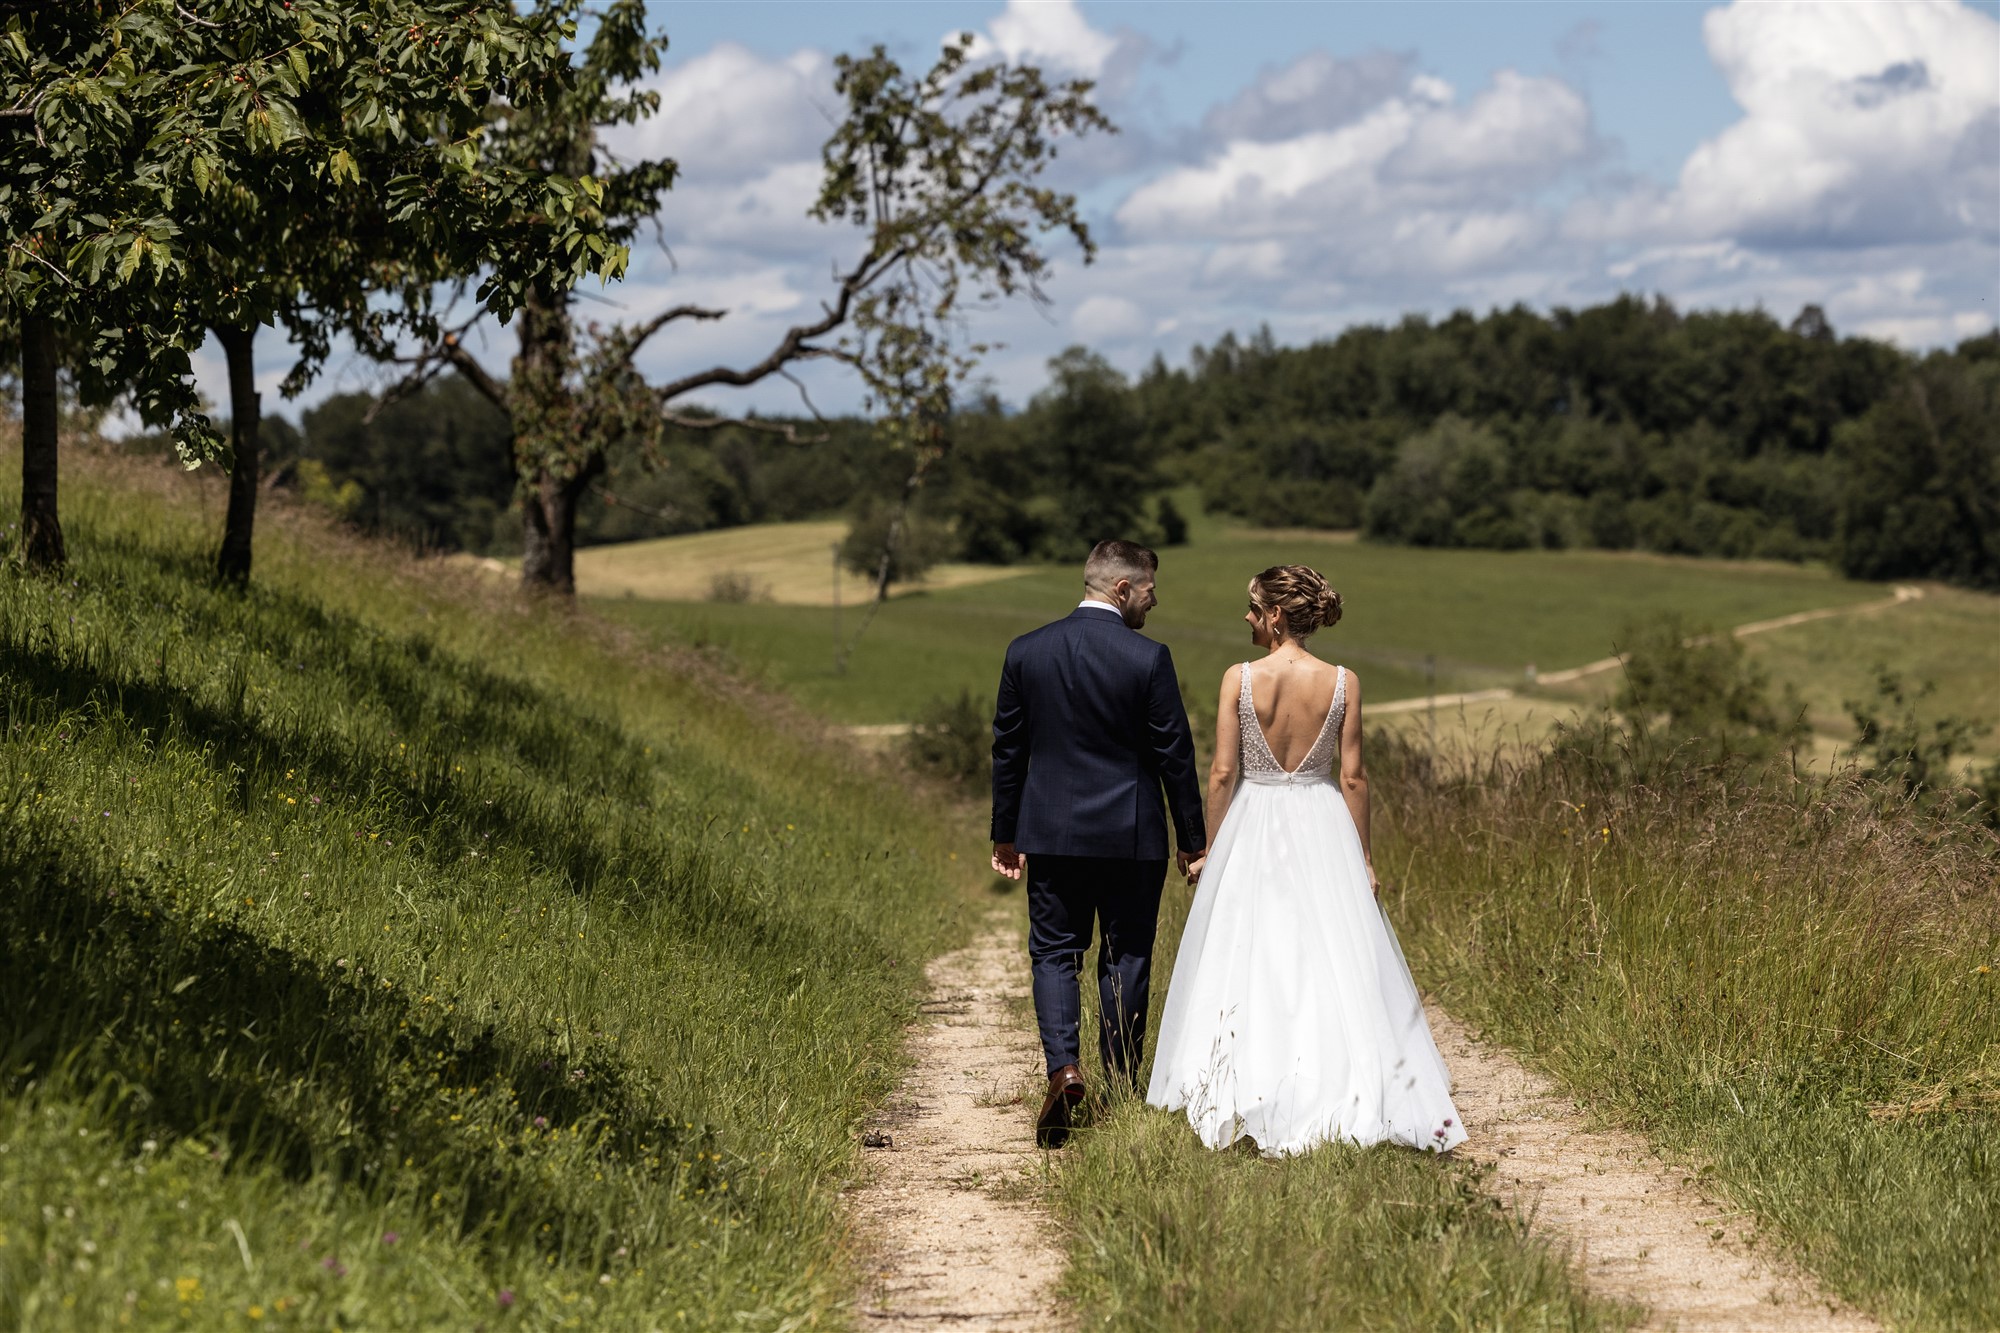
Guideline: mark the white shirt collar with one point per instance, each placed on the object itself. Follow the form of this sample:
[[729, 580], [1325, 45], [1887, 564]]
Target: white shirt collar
[[1101, 605]]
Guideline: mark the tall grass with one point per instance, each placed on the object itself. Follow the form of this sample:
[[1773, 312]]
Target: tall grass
[[1165, 1234], [374, 957], [1789, 985]]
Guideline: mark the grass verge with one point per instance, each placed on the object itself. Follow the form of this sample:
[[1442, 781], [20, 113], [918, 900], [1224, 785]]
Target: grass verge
[[376, 958], [1787, 986]]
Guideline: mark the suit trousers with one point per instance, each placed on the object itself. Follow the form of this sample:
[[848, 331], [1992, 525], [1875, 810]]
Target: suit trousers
[[1065, 894]]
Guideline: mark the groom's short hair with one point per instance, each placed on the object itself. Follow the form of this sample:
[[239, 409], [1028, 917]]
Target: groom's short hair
[[1113, 560]]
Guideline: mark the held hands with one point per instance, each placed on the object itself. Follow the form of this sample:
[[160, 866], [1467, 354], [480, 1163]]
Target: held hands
[[1191, 864], [1006, 861]]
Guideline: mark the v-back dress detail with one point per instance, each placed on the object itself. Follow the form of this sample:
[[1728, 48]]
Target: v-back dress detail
[[1292, 1019]]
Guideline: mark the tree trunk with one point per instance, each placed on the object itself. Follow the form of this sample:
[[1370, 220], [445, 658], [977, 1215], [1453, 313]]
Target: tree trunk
[[540, 390], [232, 563], [548, 561], [41, 532]]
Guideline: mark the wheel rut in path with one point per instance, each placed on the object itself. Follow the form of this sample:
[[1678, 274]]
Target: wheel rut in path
[[951, 1246], [1640, 1233]]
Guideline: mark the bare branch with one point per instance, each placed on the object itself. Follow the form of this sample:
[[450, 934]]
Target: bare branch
[[788, 429], [430, 364], [795, 345], [660, 321]]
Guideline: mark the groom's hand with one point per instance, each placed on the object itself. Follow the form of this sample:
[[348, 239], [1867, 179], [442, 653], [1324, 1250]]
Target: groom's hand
[[1006, 861], [1190, 863]]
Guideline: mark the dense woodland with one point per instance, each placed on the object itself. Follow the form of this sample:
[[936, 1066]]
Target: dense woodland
[[1626, 425]]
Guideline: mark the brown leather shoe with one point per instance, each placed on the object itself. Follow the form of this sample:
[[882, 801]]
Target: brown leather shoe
[[1065, 1095]]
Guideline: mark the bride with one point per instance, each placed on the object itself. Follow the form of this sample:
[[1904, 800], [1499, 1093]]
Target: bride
[[1291, 1019]]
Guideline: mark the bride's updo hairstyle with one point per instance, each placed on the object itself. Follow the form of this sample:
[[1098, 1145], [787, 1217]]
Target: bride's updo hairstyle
[[1301, 594]]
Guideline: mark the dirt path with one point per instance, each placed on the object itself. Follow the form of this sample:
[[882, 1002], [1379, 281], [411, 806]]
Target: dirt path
[[950, 1253], [1640, 1233], [1902, 594]]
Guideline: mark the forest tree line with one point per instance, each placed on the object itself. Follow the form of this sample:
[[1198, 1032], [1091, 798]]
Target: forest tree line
[[1627, 425]]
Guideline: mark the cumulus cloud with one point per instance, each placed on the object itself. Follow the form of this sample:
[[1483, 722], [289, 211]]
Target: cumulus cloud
[[1052, 33], [1863, 125], [730, 114], [1314, 92], [1417, 168]]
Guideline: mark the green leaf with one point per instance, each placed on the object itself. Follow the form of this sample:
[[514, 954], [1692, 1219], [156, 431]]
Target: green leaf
[[341, 166], [130, 264], [298, 62], [201, 176]]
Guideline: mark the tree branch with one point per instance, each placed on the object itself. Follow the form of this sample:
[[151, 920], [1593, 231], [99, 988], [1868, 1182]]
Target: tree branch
[[794, 345], [788, 429], [431, 363], [660, 321]]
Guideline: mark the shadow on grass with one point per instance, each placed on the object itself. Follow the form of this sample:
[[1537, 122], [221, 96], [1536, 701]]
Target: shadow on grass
[[205, 1031]]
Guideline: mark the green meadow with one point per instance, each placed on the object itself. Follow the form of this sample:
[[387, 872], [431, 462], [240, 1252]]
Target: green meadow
[[1480, 617]]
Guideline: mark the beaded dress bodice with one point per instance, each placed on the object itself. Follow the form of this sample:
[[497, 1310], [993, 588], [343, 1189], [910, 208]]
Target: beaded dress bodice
[[1258, 764]]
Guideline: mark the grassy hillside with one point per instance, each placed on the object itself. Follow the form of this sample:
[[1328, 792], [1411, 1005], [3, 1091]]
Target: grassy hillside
[[375, 958], [1789, 987], [1483, 616]]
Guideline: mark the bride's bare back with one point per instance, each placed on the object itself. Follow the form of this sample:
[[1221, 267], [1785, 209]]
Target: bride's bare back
[[1292, 699]]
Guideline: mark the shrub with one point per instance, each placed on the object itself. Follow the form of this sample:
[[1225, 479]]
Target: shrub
[[953, 739]]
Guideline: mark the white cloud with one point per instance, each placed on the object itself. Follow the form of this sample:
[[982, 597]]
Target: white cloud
[[1314, 92], [1048, 32], [1412, 170], [1863, 125], [730, 113], [1108, 319]]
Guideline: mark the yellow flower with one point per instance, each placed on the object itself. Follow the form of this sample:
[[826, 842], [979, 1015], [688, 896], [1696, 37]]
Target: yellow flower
[[188, 1289], [255, 1312], [1981, 970]]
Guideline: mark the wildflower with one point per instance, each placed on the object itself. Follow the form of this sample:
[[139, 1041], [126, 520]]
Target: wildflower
[[255, 1312], [188, 1289], [1982, 970], [506, 1298], [390, 1238]]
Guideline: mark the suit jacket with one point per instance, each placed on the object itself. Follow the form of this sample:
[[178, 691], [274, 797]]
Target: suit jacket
[[1087, 730]]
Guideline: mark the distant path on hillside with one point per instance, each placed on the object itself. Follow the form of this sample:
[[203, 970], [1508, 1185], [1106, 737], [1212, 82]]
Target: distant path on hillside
[[1639, 1232], [1902, 594], [949, 1244], [874, 730]]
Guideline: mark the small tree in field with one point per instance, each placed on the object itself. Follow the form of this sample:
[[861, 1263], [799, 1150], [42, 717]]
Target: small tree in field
[[938, 172]]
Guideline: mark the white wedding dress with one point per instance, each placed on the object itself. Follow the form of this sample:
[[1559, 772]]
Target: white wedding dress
[[1291, 1018]]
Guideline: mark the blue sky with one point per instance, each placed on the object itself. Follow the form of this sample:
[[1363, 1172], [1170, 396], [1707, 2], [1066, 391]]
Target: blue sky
[[1313, 166]]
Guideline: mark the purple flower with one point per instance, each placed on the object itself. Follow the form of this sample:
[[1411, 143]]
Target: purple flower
[[506, 1298], [390, 1238], [541, 1122], [1447, 1124]]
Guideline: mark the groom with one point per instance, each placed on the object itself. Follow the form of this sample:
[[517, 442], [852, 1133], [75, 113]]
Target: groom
[[1088, 728]]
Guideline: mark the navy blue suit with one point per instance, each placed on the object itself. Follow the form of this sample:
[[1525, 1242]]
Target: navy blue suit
[[1088, 730]]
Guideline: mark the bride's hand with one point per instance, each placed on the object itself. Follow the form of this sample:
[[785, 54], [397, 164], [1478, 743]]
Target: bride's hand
[[1374, 884], [1193, 870]]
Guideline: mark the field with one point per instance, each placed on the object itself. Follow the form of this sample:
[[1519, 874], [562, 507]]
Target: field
[[380, 954], [791, 563], [1481, 617]]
